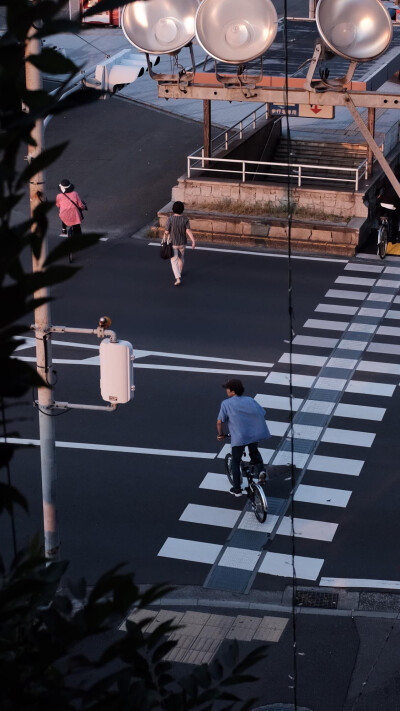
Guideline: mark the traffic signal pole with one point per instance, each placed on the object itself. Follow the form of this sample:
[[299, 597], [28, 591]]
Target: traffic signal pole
[[43, 337]]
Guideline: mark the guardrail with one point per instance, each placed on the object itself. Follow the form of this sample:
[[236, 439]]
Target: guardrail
[[247, 168]]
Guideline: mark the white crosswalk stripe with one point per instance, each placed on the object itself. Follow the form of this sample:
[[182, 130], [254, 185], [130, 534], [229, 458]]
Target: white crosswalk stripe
[[331, 388]]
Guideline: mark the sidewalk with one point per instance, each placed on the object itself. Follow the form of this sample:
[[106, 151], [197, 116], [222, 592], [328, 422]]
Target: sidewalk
[[347, 658]]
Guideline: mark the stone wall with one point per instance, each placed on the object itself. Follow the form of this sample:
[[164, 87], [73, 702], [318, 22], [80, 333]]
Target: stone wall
[[194, 193]]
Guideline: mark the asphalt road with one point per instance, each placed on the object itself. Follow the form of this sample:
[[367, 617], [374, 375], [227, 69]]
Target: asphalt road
[[126, 505]]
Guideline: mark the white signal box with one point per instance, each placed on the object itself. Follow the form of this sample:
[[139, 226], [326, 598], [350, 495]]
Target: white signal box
[[116, 371]]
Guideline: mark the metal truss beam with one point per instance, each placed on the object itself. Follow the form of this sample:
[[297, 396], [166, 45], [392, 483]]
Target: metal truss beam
[[361, 99]]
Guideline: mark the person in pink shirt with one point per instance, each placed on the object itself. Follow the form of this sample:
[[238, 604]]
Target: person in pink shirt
[[70, 208]]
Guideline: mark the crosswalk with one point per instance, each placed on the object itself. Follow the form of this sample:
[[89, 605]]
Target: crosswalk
[[345, 368]]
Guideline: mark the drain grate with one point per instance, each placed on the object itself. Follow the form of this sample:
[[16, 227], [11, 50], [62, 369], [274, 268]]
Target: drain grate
[[307, 598]]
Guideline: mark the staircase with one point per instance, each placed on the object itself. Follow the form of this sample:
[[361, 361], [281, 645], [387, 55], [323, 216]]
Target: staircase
[[315, 153]]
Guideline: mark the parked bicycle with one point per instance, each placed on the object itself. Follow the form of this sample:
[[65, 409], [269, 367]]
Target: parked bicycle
[[254, 490], [383, 236]]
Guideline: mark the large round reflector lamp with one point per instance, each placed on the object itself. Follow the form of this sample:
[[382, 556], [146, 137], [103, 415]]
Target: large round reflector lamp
[[358, 30], [159, 26], [236, 31]]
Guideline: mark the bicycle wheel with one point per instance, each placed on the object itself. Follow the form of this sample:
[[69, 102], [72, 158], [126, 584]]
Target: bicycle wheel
[[228, 469], [382, 241], [258, 502]]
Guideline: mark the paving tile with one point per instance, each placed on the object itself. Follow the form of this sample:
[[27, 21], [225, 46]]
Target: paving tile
[[176, 654], [164, 616], [186, 631], [244, 628], [223, 621], [184, 641], [139, 615], [195, 656], [195, 618], [271, 629]]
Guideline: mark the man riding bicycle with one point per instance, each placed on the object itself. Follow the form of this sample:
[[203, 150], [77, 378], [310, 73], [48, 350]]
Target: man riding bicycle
[[246, 422]]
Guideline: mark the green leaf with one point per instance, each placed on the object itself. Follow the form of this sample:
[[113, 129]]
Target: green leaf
[[9, 495], [43, 160], [50, 61]]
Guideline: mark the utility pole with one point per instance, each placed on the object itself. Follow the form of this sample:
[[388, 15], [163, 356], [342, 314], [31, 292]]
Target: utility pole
[[43, 336]]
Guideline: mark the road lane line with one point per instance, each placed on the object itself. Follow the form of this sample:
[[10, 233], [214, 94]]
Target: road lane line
[[322, 496], [262, 254], [343, 294], [306, 528], [115, 448], [360, 583], [336, 309], [326, 325]]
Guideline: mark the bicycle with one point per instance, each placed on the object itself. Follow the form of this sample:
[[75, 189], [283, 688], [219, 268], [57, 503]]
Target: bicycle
[[383, 235], [254, 491]]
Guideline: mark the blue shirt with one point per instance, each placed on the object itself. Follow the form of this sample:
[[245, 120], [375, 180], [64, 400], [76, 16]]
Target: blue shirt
[[245, 419]]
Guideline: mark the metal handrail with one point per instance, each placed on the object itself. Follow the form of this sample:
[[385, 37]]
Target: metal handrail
[[235, 131], [296, 169]]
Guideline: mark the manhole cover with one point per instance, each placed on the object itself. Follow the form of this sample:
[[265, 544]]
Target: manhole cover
[[306, 598]]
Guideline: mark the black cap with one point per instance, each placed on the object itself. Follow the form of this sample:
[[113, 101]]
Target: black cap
[[235, 385]]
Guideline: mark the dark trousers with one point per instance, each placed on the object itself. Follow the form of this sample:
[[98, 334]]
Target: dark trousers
[[74, 230], [255, 458]]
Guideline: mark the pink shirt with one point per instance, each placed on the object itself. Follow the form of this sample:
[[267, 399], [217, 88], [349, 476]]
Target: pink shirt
[[69, 214]]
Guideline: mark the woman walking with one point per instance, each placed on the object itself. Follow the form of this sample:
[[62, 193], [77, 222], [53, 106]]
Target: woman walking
[[70, 208], [178, 230]]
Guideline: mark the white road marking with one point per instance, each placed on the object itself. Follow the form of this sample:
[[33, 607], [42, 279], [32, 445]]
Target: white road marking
[[265, 453], [309, 432], [281, 565], [318, 407], [335, 465], [326, 325], [250, 523], [239, 558], [299, 381], [339, 294], [330, 384], [364, 387], [305, 528], [278, 402], [337, 309], [277, 429], [345, 363], [322, 495], [314, 341], [376, 296], [348, 437], [116, 448], [353, 266], [261, 254], [183, 369], [377, 313], [210, 515], [388, 348], [360, 412], [392, 313], [195, 551], [363, 327], [348, 345], [285, 458], [356, 281], [301, 359], [371, 366], [360, 583], [392, 270], [215, 482], [388, 331], [388, 283]]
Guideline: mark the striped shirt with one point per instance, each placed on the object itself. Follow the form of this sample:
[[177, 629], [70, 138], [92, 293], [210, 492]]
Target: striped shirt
[[177, 226]]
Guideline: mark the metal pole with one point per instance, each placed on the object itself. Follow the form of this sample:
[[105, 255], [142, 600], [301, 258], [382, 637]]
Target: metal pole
[[311, 9], [42, 323], [371, 128], [207, 128]]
